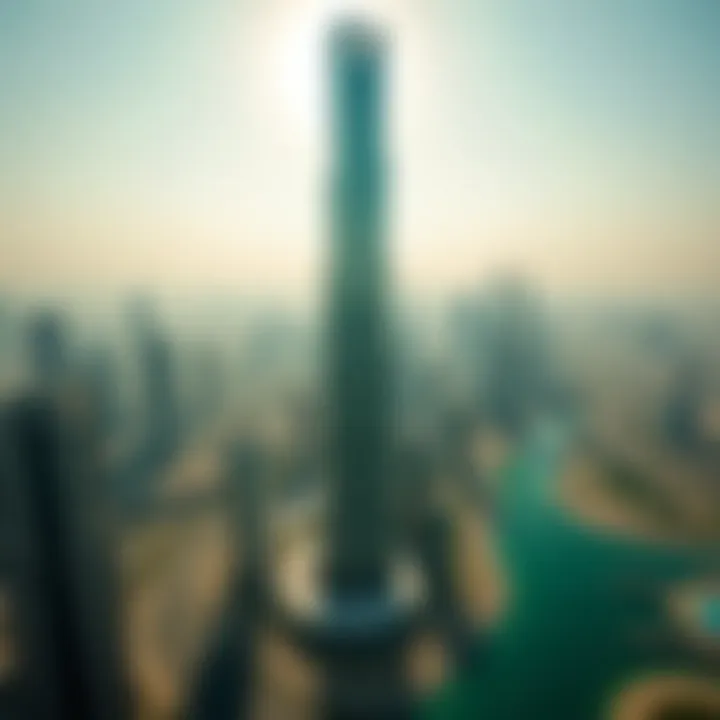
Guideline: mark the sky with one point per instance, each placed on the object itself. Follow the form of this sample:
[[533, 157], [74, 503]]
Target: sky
[[182, 143]]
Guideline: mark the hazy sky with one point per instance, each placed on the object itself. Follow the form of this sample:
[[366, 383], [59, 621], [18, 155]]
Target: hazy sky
[[179, 142]]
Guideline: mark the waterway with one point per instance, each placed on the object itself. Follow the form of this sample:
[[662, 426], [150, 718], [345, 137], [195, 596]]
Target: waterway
[[586, 613]]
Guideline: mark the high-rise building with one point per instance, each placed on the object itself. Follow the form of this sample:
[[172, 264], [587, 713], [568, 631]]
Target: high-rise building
[[59, 568], [365, 606], [358, 352]]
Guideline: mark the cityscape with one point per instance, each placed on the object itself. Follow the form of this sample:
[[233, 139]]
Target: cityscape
[[500, 500]]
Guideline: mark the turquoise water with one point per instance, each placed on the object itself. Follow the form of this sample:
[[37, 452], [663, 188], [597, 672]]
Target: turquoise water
[[710, 615], [572, 633]]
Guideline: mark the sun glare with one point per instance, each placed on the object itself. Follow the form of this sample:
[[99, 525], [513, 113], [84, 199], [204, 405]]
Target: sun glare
[[294, 39]]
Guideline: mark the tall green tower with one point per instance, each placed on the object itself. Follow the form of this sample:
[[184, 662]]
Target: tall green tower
[[357, 358], [362, 610]]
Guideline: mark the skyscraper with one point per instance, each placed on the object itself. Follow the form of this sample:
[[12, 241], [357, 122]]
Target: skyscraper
[[61, 568], [358, 369], [363, 611]]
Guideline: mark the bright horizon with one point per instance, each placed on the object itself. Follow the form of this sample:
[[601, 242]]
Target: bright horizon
[[181, 144]]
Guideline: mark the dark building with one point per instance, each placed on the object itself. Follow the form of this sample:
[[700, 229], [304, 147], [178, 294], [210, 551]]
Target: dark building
[[58, 565]]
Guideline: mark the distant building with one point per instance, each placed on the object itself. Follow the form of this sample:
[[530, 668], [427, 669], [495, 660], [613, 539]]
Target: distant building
[[47, 348], [464, 349], [101, 379], [208, 384], [157, 382], [159, 392], [516, 370], [681, 421]]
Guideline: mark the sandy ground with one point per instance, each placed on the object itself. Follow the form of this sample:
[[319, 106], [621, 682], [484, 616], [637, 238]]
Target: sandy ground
[[169, 616], [685, 607], [585, 492], [186, 590], [649, 698], [179, 571]]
